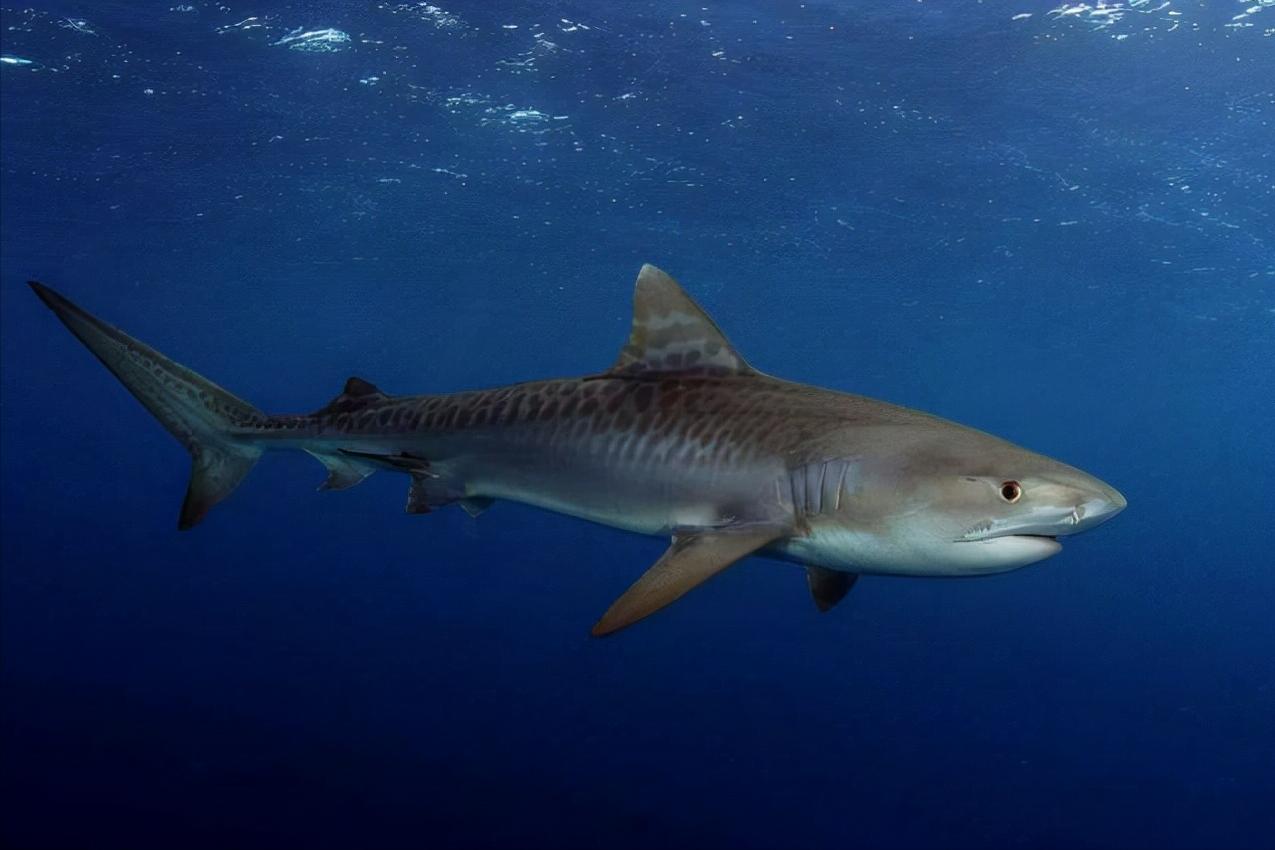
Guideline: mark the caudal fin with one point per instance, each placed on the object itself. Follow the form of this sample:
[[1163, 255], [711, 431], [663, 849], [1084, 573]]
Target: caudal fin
[[204, 418]]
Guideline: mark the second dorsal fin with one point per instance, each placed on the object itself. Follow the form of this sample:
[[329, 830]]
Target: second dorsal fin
[[672, 335], [356, 395]]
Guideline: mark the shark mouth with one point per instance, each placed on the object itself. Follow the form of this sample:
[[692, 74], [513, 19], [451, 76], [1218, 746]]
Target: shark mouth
[[1048, 526], [1051, 537], [1003, 535], [987, 530]]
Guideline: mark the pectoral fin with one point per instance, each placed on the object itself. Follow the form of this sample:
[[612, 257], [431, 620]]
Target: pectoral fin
[[828, 587], [691, 560]]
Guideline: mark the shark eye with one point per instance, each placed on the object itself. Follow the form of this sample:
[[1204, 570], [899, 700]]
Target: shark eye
[[1011, 491]]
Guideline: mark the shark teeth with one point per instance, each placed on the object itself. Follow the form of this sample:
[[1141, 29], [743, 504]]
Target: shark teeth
[[977, 531]]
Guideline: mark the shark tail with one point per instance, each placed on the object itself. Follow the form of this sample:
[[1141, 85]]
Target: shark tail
[[214, 425]]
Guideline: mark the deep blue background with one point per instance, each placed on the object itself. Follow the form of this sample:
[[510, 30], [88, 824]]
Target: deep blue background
[[1059, 228]]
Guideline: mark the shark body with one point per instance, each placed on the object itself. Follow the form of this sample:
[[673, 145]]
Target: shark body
[[679, 438]]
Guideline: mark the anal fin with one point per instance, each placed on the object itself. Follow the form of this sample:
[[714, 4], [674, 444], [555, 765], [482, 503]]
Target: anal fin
[[343, 471], [429, 491], [828, 587], [691, 560], [431, 488]]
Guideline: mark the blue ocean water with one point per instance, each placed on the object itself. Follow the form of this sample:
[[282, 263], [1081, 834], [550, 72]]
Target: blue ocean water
[[1052, 222]]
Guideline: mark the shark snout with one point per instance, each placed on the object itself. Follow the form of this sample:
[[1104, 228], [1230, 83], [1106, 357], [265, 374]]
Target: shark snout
[[1074, 508], [1092, 509]]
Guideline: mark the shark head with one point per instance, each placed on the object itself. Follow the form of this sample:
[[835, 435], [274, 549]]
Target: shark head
[[947, 500], [983, 505]]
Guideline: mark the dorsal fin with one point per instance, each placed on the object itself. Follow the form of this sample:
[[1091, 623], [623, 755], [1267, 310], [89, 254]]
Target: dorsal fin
[[356, 386], [356, 395], [671, 334]]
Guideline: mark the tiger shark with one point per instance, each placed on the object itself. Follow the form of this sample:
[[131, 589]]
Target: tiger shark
[[680, 438]]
